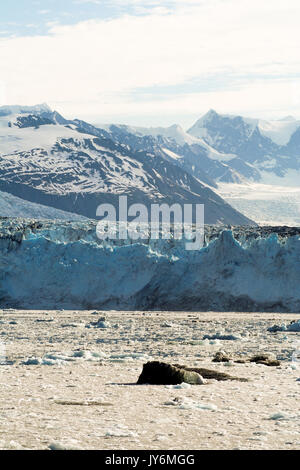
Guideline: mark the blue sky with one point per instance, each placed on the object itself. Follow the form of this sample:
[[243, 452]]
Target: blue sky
[[151, 62], [31, 17]]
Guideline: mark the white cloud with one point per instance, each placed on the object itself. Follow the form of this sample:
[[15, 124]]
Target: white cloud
[[44, 12], [97, 2], [91, 68]]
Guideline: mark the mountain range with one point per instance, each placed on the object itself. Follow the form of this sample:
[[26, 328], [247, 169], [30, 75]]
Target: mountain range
[[229, 149], [73, 166]]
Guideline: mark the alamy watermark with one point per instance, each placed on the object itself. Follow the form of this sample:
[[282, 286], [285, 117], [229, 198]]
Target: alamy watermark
[[159, 221]]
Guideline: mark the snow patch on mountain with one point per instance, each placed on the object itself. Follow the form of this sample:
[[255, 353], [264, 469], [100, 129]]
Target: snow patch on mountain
[[179, 136], [174, 132], [13, 139], [291, 178], [73, 166], [280, 132], [45, 157], [172, 154]]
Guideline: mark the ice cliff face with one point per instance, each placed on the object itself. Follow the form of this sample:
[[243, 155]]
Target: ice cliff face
[[63, 265]]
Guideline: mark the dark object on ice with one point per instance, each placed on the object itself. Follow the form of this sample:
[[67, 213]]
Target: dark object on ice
[[160, 373], [222, 337], [269, 362], [293, 326], [259, 357], [264, 359], [276, 328], [221, 357], [211, 374]]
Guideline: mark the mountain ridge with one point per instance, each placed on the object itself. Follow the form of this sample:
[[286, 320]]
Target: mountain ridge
[[73, 166]]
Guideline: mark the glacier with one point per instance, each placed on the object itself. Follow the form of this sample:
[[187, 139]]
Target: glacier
[[58, 264]]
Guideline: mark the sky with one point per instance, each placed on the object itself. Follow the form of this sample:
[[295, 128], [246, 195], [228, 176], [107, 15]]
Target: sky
[[152, 62]]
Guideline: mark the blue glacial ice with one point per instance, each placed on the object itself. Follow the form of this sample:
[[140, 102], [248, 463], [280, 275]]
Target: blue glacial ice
[[63, 265]]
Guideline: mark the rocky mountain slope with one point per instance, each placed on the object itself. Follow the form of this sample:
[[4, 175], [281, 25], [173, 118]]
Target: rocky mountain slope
[[74, 166]]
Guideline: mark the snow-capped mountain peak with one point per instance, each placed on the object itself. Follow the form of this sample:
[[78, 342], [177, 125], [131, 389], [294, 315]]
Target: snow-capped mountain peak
[[74, 166], [19, 109], [175, 132], [278, 131], [25, 116], [71, 164], [223, 132]]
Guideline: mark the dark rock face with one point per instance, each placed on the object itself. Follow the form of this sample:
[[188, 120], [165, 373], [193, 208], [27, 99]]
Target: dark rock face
[[160, 373], [95, 167], [32, 121], [235, 135]]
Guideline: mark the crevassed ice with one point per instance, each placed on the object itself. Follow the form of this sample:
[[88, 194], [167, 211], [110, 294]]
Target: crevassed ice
[[61, 265]]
